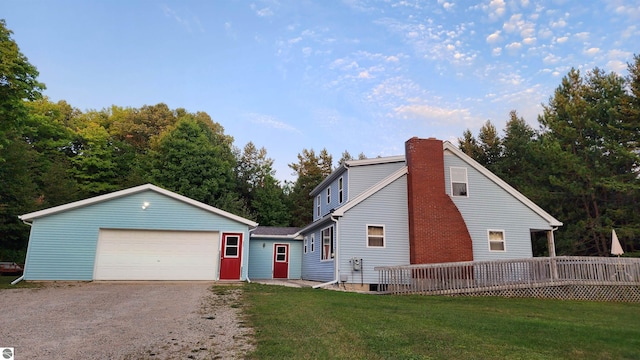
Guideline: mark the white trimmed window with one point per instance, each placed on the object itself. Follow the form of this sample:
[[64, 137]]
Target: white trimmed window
[[328, 195], [318, 206], [459, 182], [496, 240], [327, 244], [340, 190], [306, 242], [313, 242], [375, 236]]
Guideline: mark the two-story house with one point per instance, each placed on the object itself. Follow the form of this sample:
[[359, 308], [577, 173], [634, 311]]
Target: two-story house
[[434, 204]]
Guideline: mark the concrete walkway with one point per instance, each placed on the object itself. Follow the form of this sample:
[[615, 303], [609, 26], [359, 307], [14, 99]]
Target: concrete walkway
[[287, 282]]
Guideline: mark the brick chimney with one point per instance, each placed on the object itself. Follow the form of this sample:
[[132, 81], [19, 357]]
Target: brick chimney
[[437, 231]]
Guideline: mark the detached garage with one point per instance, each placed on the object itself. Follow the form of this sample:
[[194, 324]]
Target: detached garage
[[141, 233]]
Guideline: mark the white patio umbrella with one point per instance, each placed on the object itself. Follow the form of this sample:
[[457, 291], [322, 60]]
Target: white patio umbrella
[[616, 248]]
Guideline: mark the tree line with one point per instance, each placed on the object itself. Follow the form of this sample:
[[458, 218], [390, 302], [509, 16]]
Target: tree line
[[581, 165]]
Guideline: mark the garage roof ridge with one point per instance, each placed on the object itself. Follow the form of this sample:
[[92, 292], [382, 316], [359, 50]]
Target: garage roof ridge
[[129, 191]]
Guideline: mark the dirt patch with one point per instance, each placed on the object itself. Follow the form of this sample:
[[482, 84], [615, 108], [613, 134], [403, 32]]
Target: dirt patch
[[188, 320]]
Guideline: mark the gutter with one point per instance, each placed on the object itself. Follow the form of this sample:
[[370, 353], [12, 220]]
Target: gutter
[[336, 269], [25, 264], [247, 256]]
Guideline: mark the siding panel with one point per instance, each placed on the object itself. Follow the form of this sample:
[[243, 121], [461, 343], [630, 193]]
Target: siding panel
[[387, 207]]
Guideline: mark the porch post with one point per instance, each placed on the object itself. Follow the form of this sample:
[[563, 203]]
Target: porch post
[[551, 243]]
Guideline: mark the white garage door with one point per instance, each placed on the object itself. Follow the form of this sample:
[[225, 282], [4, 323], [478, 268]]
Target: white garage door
[[156, 255]]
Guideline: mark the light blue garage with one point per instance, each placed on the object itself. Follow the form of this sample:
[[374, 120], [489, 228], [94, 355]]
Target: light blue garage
[[141, 233]]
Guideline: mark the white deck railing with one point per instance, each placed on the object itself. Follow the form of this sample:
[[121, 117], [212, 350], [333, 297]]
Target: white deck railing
[[484, 276]]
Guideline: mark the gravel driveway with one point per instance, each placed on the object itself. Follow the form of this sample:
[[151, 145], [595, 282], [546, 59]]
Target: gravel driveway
[[143, 320]]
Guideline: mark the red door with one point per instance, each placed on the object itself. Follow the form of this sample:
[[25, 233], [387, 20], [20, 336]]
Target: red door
[[231, 257], [281, 261]]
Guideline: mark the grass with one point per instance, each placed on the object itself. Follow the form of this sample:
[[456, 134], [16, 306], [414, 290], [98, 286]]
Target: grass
[[298, 323], [5, 283]]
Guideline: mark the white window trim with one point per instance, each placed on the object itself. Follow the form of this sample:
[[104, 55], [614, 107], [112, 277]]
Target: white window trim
[[305, 245], [329, 195], [226, 237], [384, 236], [318, 206], [341, 189], [466, 180], [331, 239], [504, 240], [313, 243]]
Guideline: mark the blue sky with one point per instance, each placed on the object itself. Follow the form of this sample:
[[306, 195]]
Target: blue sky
[[356, 75]]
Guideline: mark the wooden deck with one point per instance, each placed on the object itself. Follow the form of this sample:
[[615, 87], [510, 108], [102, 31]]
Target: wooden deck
[[563, 277]]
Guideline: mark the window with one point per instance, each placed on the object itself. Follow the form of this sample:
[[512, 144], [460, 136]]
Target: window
[[340, 190], [496, 240], [281, 253], [306, 242], [231, 246], [313, 242], [458, 181], [328, 195], [327, 244], [318, 206], [375, 236]]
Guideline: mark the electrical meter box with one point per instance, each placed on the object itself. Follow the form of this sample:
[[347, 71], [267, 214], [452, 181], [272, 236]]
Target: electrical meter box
[[357, 264]]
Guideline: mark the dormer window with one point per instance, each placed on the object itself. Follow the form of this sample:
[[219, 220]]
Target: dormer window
[[459, 182]]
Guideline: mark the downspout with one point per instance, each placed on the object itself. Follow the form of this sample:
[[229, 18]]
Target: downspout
[[336, 269], [247, 256], [25, 265]]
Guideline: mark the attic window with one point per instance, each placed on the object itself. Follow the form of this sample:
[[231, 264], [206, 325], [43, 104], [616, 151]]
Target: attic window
[[459, 181], [340, 190], [328, 195], [318, 206]]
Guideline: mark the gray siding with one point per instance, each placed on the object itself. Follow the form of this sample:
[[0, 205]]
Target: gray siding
[[489, 206], [261, 255], [313, 268], [362, 178], [62, 246], [387, 207], [335, 203]]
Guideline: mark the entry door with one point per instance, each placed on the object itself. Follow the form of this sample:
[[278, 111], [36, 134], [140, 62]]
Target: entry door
[[281, 261], [231, 257]]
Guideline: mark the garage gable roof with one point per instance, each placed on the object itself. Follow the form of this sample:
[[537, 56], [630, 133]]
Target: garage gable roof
[[130, 191]]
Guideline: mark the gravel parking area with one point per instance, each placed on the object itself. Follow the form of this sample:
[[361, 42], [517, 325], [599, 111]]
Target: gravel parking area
[[140, 320]]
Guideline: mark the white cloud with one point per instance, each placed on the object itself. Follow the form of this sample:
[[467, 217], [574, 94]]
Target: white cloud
[[496, 51], [513, 47], [264, 12], [270, 121], [592, 51], [582, 36], [617, 66], [497, 8], [429, 112], [306, 51], [364, 75], [494, 38], [562, 40], [529, 40]]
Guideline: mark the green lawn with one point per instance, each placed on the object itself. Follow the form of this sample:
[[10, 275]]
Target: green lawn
[[305, 323]]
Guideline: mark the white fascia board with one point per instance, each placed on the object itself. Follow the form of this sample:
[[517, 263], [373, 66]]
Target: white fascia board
[[133, 190], [448, 146], [372, 190], [334, 174]]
